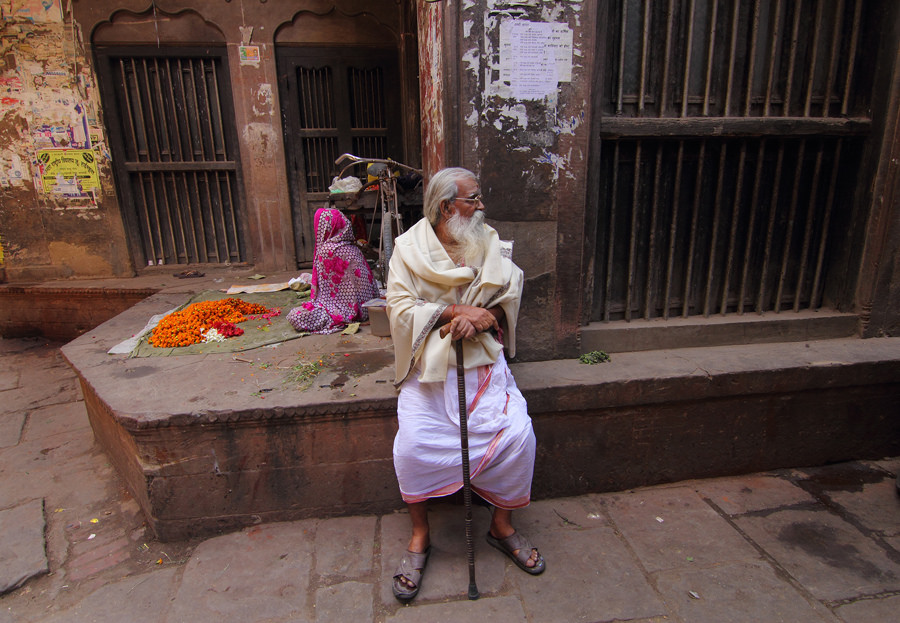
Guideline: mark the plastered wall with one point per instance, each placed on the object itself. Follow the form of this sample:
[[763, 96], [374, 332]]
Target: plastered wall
[[523, 125], [53, 224]]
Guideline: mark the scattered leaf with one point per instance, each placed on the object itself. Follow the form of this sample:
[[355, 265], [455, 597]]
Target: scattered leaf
[[92, 537], [660, 519], [95, 520], [352, 328], [256, 276], [694, 594]]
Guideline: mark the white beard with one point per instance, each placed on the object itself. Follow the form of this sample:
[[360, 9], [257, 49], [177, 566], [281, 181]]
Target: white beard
[[470, 235]]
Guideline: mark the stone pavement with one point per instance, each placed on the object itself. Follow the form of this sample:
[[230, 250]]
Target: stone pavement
[[806, 544]]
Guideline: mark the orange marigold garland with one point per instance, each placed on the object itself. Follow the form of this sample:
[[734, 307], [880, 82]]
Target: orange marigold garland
[[187, 326]]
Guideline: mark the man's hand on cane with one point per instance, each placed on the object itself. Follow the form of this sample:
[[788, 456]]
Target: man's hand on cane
[[467, 320]]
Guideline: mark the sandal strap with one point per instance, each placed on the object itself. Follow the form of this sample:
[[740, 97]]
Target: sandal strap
[[411, 566], [516, 541]]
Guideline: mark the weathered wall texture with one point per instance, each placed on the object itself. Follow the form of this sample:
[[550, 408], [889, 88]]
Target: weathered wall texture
[[49, 227], [524, 128]]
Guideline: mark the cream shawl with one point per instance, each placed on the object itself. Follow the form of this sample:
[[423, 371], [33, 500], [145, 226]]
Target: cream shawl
[[424, 281]]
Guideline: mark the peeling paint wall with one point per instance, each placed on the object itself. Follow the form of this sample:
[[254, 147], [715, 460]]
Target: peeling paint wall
[[49, 106], [524, 122]]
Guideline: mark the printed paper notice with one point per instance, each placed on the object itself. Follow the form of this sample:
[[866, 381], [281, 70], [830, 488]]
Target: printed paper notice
[[534, 57], [69, 172]]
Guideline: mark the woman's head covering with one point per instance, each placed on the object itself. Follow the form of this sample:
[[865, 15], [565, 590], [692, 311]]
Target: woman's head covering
[[341, 279]]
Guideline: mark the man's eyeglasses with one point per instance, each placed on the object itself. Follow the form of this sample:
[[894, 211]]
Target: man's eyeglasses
[[473, 199]]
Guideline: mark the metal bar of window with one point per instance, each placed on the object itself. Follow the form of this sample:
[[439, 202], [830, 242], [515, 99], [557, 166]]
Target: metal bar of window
[[792, 58], [197, 145], [174, 205], [833, 58], [129, 111], [633, 233], [709, 56], [165, 152], [851, 57], [673, 228], [751, 225], [751, 59], [140, 112], [775, 39], [175, 114], [187, 208], [214, 235], [714, 230], [144, 208], [732, 54], [611, 237], [770, 230], [197, 203], [689, 44], [154, 156], [666, 62], [621, 79], [813, 60], [234, 253], [650, 286], [645, 42], [789, 230], [216, 115], [823, 232], [807, 231], [732, 234], [695, 217]]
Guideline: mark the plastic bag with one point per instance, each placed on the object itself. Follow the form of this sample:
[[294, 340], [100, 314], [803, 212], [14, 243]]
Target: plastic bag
[[345, 185]]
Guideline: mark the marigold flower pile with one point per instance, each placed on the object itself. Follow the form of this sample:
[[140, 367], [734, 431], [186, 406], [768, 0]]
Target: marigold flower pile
[[187, 326]]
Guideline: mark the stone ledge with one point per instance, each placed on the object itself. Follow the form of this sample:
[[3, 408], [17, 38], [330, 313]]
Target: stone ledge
[[717, 330], [201, 448]]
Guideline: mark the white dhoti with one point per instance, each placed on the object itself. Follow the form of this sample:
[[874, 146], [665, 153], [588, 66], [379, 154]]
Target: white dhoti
[[427, 456]]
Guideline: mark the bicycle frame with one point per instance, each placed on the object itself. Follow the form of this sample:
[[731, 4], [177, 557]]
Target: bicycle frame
[[387, 200]]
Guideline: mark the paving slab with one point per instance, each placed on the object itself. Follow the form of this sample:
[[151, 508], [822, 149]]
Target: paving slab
[[828, 556], [447, 571], [345, 547], [592, 577], [673, 527], [742, 591], [257, 574], [874, 506], [736, 496], [500, 609], [143, 598], [23, 553], [11, 425], [870, 610], [9, 379], [347, 601], [60, 419]]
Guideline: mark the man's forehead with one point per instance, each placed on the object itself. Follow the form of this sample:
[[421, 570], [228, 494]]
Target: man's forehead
[[466, 183]]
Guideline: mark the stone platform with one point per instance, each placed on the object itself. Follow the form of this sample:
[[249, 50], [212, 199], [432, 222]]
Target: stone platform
[[217, 442]]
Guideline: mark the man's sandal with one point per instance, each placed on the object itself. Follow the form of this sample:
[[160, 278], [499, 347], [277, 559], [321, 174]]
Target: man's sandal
[[516, 541], [411, 567]]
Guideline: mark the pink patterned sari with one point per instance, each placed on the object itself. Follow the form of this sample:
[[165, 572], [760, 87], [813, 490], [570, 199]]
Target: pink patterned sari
[[341, 279]]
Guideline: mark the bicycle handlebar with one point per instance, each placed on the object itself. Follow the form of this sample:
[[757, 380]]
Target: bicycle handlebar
[[355, 160]]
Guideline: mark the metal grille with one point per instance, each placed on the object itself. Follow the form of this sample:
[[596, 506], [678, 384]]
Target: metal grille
[[367, 115], [317, 119], [730, 140], [181, 173]]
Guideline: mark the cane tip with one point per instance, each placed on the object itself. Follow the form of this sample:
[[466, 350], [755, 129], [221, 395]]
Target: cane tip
[[473, 592]]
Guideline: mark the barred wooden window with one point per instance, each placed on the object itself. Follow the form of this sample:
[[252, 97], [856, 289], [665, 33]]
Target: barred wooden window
[[177, 159], [731, 132]]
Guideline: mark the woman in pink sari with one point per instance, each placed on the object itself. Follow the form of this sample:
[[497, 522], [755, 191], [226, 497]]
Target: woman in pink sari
[[341, 279]]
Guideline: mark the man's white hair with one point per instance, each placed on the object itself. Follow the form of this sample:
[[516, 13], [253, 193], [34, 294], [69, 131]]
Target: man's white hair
[[443, 186]]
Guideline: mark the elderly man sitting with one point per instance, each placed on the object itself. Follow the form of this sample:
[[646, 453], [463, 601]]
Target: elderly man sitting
[[452, 269]]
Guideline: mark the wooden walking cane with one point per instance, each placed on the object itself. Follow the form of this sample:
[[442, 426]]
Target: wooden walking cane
[[464, 446]]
